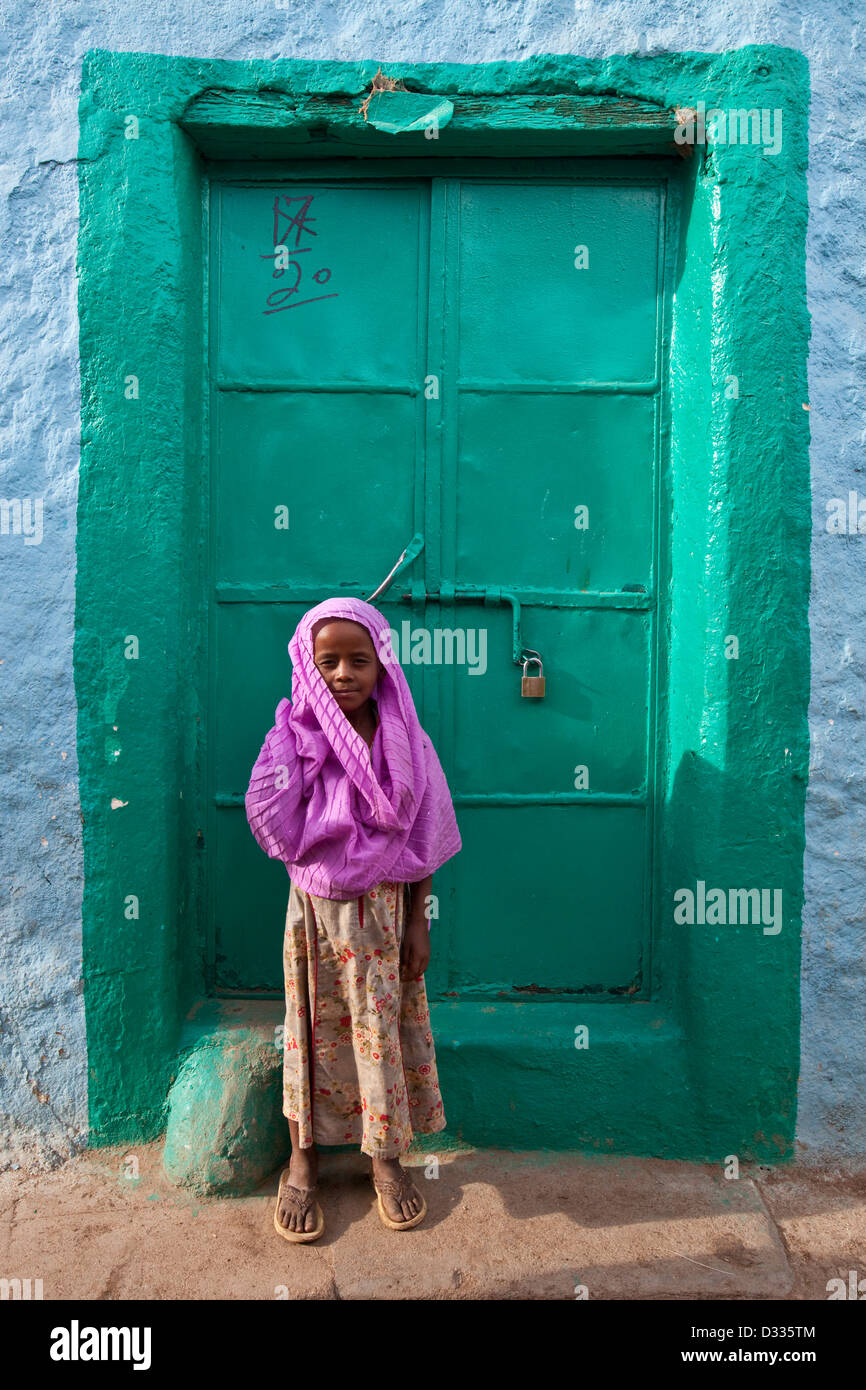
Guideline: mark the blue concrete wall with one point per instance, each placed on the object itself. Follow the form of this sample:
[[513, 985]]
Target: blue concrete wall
[[43, 1063]]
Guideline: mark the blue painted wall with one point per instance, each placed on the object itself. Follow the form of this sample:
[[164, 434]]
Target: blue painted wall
[[43, 1064]]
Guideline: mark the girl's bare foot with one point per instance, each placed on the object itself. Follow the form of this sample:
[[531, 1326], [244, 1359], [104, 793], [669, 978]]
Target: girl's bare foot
[[303, 1172], [389, 1170]]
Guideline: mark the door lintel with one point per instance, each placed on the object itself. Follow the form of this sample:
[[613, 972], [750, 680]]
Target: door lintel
[[234, 123]]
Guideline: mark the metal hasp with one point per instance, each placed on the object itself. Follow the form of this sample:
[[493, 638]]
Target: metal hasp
[[447, 593]]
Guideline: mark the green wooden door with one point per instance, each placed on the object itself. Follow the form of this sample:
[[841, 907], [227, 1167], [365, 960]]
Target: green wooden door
[[441, 356]]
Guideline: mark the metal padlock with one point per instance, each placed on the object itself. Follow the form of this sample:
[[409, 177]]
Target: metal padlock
[[533, 686]]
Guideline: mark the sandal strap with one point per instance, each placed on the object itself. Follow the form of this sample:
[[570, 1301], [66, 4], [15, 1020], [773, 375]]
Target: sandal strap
[[294, 1195], [396, 1187]]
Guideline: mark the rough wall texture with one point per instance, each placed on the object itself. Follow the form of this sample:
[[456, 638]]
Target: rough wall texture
[[43, 1081]]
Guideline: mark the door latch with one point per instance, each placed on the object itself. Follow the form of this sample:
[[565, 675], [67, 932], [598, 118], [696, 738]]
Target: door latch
[[412, 551]]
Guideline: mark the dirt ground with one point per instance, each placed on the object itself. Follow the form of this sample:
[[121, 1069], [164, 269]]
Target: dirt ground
[[109, 1225]]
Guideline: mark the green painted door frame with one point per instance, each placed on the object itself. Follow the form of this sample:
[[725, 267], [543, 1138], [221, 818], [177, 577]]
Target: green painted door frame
[[706, 1064]]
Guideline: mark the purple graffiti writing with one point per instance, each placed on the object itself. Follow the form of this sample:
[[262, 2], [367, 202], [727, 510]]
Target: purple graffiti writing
[[286, 225]]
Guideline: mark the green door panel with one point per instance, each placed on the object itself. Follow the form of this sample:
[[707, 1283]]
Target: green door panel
[[594, 713], [250, 896], [355, 322], [270, 441], [558, 893], [473, 385], [253, 673], [556, 453], [527, 313]]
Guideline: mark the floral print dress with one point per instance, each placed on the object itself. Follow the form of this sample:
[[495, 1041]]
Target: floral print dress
[[359, 1063]]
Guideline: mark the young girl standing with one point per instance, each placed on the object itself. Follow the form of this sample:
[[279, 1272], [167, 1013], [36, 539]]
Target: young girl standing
[[348, 791]]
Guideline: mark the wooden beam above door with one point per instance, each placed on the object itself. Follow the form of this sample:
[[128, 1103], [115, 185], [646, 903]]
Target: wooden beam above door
[[228, 123]]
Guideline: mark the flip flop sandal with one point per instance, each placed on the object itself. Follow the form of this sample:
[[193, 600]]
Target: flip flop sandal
[[302, 1199], [400, 1189]]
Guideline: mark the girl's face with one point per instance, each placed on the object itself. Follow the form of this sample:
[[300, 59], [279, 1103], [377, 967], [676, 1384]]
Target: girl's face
[[344, 654]]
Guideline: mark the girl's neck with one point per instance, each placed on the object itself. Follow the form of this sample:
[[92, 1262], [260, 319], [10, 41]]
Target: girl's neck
[[363, 720]]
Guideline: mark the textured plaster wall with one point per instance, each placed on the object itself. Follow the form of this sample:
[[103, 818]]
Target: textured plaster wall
[[43, 1064]]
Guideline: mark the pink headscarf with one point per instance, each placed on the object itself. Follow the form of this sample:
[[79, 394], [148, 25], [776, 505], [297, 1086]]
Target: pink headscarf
[[341, 818]]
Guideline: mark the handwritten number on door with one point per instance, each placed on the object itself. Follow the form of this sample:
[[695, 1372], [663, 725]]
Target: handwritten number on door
[[286, 224]]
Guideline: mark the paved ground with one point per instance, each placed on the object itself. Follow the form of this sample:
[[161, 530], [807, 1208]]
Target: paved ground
[[499, 1226]]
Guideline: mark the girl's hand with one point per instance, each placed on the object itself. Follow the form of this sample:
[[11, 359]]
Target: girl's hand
[[415, 949]]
